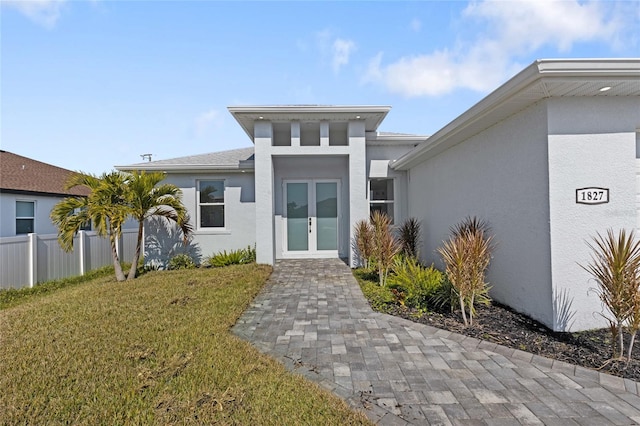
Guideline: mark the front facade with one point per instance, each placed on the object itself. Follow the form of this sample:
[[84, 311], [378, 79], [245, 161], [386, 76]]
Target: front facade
[[315, 167], [529, 159], [313, 172]]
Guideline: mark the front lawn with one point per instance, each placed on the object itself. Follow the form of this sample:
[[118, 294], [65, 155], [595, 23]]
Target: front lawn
[[153, 351]]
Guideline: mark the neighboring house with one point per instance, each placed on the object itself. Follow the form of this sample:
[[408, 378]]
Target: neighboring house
[[548, 159], [28, 191]]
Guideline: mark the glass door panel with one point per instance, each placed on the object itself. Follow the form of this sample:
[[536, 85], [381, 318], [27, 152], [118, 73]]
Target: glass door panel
[[326, 204], [297, 216]]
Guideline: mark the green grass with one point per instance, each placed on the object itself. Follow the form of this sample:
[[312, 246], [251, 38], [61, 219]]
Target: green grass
[[381, 298], [157, 350], [12, 297]]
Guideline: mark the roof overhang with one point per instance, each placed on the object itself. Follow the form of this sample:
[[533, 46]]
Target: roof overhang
[[247, 115], [242, 167], [545, 78], [386, 139]]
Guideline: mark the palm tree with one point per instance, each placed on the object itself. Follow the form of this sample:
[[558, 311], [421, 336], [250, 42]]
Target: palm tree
[[105, 206], [148, 199]]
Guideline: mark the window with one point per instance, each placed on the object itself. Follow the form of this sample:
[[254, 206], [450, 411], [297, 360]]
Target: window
[[381, 196], [25, 217], [211, 203], [85, 226]]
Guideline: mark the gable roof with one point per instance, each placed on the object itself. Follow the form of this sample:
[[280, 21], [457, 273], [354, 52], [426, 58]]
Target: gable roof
[[545, 78], [25, 175], [232, 160]]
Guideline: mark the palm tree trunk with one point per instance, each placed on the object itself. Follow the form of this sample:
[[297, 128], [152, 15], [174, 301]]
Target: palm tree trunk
[[631, 342], [136, 256], [116, 260]]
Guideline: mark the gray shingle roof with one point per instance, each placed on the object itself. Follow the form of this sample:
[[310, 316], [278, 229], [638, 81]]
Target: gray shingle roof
[[230, 159]]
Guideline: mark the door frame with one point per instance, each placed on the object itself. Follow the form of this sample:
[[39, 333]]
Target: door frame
[[312, 251]]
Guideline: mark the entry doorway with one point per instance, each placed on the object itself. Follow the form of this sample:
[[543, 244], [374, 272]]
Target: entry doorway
[[311, 223]]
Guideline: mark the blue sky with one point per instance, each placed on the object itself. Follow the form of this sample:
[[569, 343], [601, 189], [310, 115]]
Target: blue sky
[[87, 85]]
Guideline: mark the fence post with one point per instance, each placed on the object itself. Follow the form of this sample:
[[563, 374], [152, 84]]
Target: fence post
[[33, 259], [81, 251]]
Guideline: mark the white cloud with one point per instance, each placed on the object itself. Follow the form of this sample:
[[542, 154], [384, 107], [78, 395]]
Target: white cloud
[[415, 25], [206, 121], [531, 24], [337, 50], [342, 49], [43, 12], [511, 30]]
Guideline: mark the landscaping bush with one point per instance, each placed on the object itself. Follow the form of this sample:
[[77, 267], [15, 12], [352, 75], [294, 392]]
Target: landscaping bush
[[615, 265], [181, 261], [466, 255], [447, 297], [250, 254], [419, 284], [380, 298], [363, 242], [410, 236], [233, 257], [385, 245]]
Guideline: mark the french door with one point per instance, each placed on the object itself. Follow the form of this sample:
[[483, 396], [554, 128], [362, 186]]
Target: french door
[[311, 222]]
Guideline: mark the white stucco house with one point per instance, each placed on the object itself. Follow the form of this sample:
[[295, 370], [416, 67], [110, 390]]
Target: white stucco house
[[548, 159]]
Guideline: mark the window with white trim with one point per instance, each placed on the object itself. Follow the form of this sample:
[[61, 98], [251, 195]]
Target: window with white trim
[[381, 196], [211, 203], [85, 226], [25, 217]]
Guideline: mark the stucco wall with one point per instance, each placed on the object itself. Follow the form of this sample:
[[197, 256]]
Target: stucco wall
[[240, 217], [501, 176], [43, 206], [592, 143]]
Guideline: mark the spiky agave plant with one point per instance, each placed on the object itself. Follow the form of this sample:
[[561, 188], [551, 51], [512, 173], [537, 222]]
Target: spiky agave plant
[[615, 266], [410, 235], [363, 236], [633, 322], [455, 256], [466, 255], [472, 225], [385, 244]]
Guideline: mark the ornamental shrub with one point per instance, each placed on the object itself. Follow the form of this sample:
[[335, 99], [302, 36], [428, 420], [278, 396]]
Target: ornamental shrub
[[418, 283], [466, 255], [233, 257], [181, 261]]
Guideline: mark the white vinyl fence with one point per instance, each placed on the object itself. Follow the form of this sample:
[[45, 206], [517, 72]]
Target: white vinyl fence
[[26, 260]]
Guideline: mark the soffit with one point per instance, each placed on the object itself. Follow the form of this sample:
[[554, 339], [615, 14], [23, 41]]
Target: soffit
[[549, 88], [535, 83], [371, 115]]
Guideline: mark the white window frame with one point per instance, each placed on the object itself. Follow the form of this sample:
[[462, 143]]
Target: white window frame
[[87, 226], [392, 202], [32, 218], [199, 205]]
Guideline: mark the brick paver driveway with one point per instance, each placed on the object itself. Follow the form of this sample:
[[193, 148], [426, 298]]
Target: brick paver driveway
[[313, 317]]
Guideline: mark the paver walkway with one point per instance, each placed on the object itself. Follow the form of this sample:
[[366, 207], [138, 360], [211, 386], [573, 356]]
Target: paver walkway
[[313, 317]]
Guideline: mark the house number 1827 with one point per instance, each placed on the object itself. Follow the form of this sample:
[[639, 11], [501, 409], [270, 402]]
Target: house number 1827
[[592, 195]]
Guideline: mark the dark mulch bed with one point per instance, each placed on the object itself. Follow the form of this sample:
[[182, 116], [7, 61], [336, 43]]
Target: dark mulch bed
[[501, 325]]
